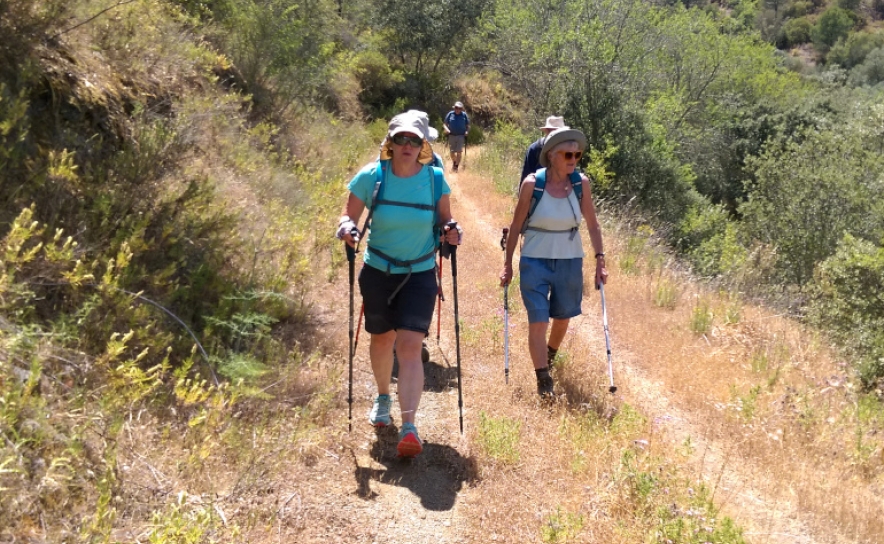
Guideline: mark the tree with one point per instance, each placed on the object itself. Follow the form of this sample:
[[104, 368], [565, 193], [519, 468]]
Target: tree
[[811, 190], [833, 24], [422, 33]]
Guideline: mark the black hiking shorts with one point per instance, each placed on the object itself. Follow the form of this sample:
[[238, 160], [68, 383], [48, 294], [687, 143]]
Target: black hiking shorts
[[412, 307]]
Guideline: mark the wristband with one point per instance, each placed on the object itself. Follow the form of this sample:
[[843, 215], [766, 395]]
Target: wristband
[[597, 255]]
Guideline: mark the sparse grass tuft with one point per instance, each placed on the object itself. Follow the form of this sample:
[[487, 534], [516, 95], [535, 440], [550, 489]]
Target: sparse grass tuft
[[701, 317], [499, 438], [666, 294], [562, 526]]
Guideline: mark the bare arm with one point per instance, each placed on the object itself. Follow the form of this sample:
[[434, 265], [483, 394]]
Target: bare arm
[[519, 216], [587, 208]]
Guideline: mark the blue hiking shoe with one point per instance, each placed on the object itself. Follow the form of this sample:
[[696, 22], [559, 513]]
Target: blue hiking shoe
[[380, 412], [409, 442]]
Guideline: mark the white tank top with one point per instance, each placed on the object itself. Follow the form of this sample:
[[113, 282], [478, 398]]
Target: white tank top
[[556, 214]]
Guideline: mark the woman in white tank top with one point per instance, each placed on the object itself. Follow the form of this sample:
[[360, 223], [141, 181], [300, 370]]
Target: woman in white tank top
[[551, 259]]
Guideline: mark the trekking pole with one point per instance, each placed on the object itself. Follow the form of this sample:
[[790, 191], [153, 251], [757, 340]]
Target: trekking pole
[[463, 162], [439, 309], [506, 316], [351, 261], [359, 327], [453, 250], [612, 388]]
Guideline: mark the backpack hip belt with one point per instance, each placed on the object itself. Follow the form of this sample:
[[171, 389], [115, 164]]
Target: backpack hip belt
[[391, 262]]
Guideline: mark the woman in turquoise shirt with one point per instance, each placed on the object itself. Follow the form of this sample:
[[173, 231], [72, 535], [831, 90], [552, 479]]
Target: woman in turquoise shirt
[[409, 206]]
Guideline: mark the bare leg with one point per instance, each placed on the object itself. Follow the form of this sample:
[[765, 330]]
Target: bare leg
[[557, 332], [411, 372], [537, 343], [381, 353]]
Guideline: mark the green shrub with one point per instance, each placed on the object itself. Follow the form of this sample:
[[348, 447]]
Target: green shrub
[[711, 242], [795, 32], [702, 317], [833, 24], [845, 299], [853, 51], [798, 8], [812, 187], [870, 71]]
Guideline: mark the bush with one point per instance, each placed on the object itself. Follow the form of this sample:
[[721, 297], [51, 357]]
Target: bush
[[833, 24], [810, 188], [709, 239], [798, 9], [854, 50], [845, 299], [795, 32], [871, 71]]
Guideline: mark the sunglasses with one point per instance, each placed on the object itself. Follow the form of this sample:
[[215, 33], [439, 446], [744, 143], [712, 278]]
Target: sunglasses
[[571, 154], [402, 139]]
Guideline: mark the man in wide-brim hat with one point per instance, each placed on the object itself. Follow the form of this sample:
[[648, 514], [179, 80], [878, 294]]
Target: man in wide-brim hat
[[532, 156]]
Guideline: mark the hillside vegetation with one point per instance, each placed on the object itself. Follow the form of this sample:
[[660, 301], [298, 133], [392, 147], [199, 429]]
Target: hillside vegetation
[[170, 171]]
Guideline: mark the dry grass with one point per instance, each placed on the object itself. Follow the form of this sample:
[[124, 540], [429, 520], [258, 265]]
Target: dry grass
[[773, 395]]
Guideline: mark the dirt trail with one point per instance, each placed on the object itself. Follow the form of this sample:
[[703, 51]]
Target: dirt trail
[[369, 495]]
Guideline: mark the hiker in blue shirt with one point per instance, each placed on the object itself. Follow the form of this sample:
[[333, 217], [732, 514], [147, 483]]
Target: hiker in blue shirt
[[551, 258], [409, 210], [457, 127], [532, 156]]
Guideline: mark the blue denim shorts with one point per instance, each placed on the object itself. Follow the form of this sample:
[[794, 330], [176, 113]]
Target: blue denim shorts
[[551, 288], [412, 307]]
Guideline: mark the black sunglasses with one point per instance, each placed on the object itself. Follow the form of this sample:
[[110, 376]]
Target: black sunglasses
[[402, 139]]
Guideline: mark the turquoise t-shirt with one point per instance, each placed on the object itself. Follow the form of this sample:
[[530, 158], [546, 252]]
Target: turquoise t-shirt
[[401, 232]]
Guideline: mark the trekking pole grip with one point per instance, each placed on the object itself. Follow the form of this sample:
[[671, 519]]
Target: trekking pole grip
[[351, 250], [452, 248]]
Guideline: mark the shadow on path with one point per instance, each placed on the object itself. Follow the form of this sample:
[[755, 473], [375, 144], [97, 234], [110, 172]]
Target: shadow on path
[[435, 476]]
